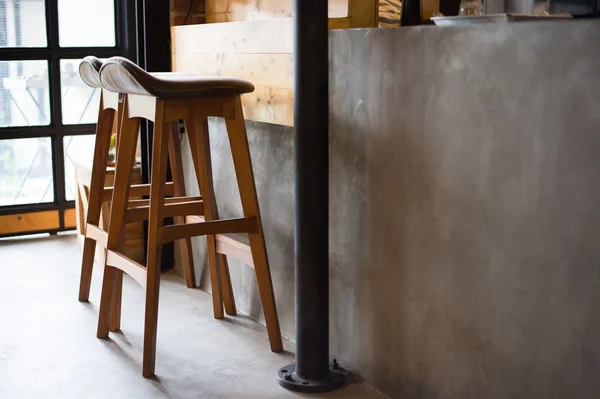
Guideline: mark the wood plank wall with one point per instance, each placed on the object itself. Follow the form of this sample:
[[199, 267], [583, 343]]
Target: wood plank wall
[[256, 44], [245, 49]]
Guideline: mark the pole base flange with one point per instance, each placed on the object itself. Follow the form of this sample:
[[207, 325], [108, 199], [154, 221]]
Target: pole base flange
[[287, 378]]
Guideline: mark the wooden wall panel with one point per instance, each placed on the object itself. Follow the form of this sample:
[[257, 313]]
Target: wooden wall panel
[[270, 105], [245, 49], [246, 37], [259, 49], [269, 70]]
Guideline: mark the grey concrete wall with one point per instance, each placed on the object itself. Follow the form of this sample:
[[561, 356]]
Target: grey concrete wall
[[464, 212]]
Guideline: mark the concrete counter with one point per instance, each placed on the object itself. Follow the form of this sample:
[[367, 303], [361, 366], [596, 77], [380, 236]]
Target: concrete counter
[[464, 209]]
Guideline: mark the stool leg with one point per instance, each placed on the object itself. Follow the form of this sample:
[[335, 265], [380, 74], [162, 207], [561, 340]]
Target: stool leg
[[116, 225], [115, 318], [155, 224], [202, 147], [226, 288], [236, 130], [179, 190], [228, 298], [103, 132], [115, 314]]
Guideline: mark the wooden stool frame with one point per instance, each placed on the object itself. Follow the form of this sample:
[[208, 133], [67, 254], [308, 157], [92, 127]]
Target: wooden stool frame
[[110, 105], [165, 113]]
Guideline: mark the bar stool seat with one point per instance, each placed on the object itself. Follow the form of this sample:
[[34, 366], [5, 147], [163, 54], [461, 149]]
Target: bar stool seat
[[165, 99], [123, 76], [89, 70]]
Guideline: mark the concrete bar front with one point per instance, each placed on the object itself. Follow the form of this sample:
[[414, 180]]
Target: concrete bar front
[[464, 209]]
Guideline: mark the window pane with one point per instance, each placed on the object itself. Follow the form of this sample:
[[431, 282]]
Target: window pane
[[24, 95], [86, 23], [79, 101], [26, 171], [25, 23], [78, 149]]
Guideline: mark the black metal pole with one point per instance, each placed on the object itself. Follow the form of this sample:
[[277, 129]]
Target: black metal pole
[[311, 372]]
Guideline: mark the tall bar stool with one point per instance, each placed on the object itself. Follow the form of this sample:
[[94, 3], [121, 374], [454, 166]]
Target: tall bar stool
[[165, 99], [110, 104]]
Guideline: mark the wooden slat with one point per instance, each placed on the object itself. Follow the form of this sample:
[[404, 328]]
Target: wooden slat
[[246, 37], [170, 210], [97, 234], [269, 70], [70, 218], [129, 266], [172, 200], [26, 222], [237, 246], [236, 225], [136, 190]]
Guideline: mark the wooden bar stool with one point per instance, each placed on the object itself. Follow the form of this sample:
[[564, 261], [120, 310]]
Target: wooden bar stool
[[110, 104], [165, 99]]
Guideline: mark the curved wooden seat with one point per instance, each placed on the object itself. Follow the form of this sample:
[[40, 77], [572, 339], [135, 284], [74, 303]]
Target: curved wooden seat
[[120, 75], [89, 70]]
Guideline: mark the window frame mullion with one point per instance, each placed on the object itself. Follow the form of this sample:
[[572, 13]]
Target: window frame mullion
[[56, 130]]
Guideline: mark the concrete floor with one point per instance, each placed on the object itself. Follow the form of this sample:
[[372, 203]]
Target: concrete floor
[[48, 347]]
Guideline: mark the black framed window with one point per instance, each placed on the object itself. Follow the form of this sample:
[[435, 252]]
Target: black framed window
[[47, 114]]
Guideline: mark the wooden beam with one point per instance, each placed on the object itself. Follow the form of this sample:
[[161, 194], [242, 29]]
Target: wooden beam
[[222, 226], [96, 234], [236, 245], [136, 190], [183, 208], [129, 266], [173, 200]]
